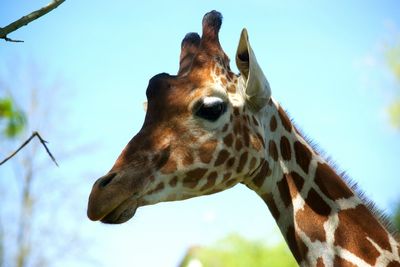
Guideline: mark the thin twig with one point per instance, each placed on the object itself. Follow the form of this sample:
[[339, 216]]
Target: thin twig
[[26, 142], [12, 40], [27, 19]]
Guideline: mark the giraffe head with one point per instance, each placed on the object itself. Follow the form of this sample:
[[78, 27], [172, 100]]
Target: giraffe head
[[201, 133]]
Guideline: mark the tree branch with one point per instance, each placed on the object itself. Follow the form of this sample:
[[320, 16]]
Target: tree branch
[[27, 19], [26, 142]]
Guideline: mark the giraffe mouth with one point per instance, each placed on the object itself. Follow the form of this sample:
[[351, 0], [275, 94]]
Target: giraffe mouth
[[122, 213]]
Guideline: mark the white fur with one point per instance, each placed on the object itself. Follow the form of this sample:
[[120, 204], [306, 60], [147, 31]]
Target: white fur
[[209, 100]]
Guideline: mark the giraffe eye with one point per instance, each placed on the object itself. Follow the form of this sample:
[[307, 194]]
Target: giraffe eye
[[211, 109]]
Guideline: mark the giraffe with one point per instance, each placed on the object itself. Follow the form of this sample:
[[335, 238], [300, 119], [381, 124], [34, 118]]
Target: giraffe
[[207, 129]]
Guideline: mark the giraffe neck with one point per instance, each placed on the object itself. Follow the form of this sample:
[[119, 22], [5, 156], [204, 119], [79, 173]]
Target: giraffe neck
[[323, 220]]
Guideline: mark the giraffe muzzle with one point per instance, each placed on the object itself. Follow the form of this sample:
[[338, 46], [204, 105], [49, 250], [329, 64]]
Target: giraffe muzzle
[[122, 213], [111, 201]]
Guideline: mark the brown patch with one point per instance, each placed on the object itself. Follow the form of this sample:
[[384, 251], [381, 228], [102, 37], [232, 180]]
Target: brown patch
[[228, 140], [265, 171], [217, 71], [193, 177], [246, 137], [393, 264], [330, 183], [238, 145], [187, 159], [245, 118], [296, 245], [160, 159], [255, 121], [242, 162], [303, 155], [285, 120], [222, 157], [230, 162], [225, 127], [236, 127], [284, 191], [206, 151], [289, 186], [342, 262], [298, 182], [269, 200], [273, 150], [169, 167], [317, 204], [261, 139], [231, 89], [355, 226], [211, 178], [285, 148], [224, 81], [315, 211], [273, 124], [320, 262], [236, 111], [173, 181]]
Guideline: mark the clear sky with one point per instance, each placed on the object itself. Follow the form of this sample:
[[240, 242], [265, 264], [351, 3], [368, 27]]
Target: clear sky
[[323, 59]]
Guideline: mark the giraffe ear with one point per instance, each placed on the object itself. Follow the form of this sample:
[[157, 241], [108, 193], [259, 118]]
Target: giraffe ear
[[257, 90]]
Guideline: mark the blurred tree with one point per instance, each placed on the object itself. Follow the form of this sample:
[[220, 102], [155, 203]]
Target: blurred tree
[[12, 123], [37, 210], [235, 251], [393, 60]]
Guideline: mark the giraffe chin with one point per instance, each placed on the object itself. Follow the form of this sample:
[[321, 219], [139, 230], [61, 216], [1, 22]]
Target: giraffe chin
[[122, 213]]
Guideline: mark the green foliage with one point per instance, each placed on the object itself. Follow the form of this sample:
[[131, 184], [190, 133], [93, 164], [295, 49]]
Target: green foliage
[[394, 112], [393, 61], [12, 120], [235, 251], [396, 217]]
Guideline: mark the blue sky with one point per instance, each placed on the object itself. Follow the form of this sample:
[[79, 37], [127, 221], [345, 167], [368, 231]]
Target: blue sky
[[323, 59]]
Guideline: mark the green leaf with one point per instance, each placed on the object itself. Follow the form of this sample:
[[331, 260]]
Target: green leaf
[[6, 108], [15, 119]]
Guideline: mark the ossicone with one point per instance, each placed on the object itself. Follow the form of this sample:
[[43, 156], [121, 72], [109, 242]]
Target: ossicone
[[212, 22], [189, 47]]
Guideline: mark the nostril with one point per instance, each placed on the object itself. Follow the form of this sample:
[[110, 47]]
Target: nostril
[[106, 180]]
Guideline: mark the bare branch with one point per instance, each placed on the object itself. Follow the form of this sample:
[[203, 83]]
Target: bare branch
[[27, 19], [26, 142]]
